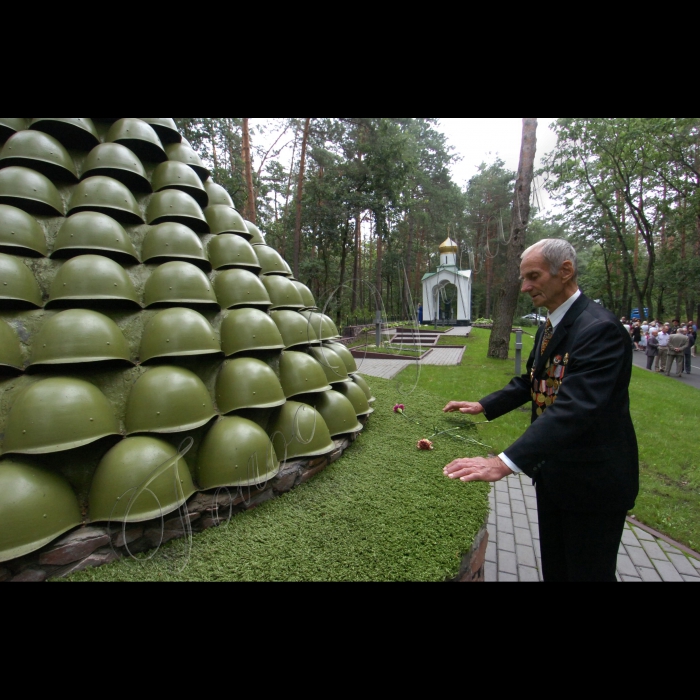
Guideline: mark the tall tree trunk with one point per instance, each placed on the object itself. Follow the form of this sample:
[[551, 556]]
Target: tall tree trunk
[[508, 295], [378, 227], [249, 211], [300, 190], [343, 263], [356, 260]]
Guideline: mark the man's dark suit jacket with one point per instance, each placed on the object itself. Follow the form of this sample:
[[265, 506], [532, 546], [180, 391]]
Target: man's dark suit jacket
[[582, 450]]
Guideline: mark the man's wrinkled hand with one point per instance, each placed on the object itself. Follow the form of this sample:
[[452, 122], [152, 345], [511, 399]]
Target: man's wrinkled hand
[[472, 408], [477, 469]]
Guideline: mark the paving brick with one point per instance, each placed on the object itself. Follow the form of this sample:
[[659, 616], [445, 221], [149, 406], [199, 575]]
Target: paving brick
[[617, 577], [505, 525], [682, 565], [492, 519], [520, 520], [529, 574], [506, 542], [523, 536], [536, 547], [491, 552], [648, 574], [503, 510], [529, 490], [507, 578], [501, 486], [653, 550], [507, 563], [526, 555], [531, 502], [638, 557], [691, 579], [490, 572], [518, 506], [642, 535], [695, 562], [630, 578], [668, 547], [532, 515], [629, 538], [625, 565], [502, 498], [535, 530], [621, 549], [667, 571]]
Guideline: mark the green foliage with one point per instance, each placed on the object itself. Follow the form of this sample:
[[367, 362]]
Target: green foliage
[[384, 512]]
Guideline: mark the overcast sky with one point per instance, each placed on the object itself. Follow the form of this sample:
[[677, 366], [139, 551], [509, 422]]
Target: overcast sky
[[479, 140]]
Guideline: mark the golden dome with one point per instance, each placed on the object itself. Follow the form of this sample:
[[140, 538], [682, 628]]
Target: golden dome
[[448, 246]]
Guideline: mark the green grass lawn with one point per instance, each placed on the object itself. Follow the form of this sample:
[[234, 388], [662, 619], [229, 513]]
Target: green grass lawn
[[384, 512], [666, 417]]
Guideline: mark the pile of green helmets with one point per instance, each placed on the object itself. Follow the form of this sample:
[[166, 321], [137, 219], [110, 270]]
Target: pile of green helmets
[[139, 313]]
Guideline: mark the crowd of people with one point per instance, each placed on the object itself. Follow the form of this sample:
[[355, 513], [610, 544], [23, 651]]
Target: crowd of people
[[664, 343]]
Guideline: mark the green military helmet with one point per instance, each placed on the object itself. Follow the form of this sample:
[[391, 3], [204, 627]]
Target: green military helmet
[[236, 452], [245, 330], [10, 348], [79, 336], [345, 355], [171, 241], [40, 152], [177, 206], [283, 293], [257, 237], [217, 194], [20, 233], [271, 261], [295, 329], [247, 383], [166, 129], [306, 296], [141, 478], [178, 332], [298, 430], [168, 399], [106, 196], [236, 288], [11, 125], [301, 374], [337, 412], [89, 232], [58, 414], [138, 137], [179, 283], [118, 162], [223, 219], [323, 325], [184, 153], [31, 191], [360, 381], [173, 175], [229, 250], [357, 397], [36, 507], [332, 365], [89, 280], [72, 132], [18, 286]]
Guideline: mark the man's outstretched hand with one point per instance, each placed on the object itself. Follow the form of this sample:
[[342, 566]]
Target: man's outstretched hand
[[477, 469], [472, 408]]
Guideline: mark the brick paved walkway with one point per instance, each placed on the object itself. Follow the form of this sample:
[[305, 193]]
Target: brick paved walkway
[[513, 552]]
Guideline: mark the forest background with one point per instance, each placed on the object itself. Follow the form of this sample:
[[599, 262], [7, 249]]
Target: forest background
[[360, 206]]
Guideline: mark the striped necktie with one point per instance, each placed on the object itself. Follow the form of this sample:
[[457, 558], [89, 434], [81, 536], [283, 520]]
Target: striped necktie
[[548, 333]]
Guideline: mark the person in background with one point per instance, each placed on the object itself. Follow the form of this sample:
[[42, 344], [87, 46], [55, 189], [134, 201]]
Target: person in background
[[636, 335], [688, 347], [652, 348], [677, 343], [664, 335], [692, 329]]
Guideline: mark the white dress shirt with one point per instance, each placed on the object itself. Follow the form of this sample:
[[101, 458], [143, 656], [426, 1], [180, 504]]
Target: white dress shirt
[[555, 319]]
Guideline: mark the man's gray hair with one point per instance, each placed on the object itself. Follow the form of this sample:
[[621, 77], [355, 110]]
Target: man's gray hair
[[555, 251]]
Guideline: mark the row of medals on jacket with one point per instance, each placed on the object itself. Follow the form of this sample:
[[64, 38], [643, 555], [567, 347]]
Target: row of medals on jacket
[[544, 391]]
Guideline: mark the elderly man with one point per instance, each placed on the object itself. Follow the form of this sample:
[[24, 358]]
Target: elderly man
[[677, 343], [661, 358], [652, 348], [580, 449]]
